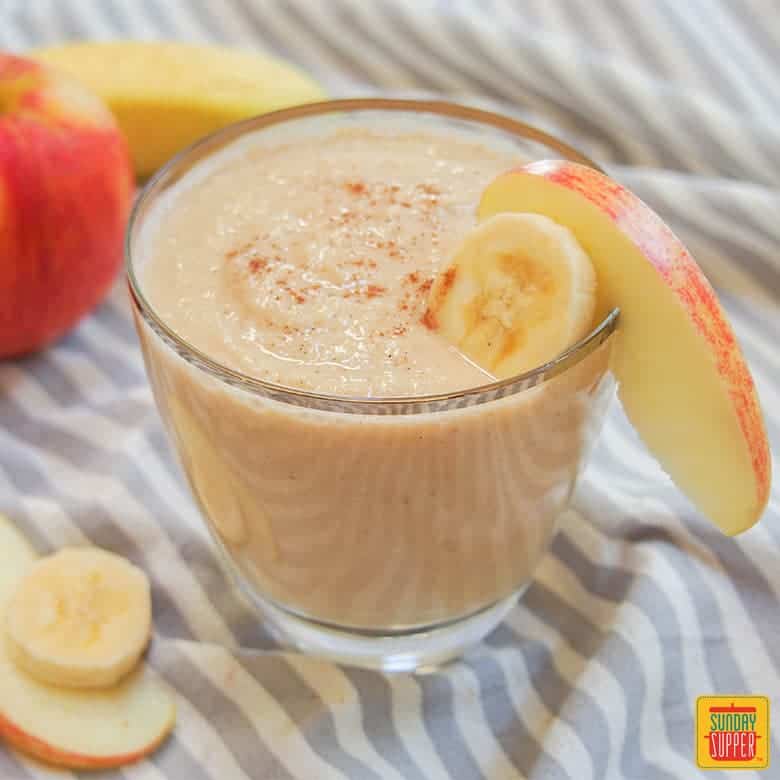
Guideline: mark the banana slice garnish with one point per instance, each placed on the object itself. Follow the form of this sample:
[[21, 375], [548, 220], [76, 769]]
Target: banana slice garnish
[[519, 291], [80, 618]]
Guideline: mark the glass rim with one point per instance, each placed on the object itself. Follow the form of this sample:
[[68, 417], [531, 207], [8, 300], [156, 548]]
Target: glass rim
[[179, 165]]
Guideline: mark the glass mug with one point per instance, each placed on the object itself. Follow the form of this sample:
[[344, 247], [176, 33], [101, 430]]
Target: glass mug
[[390, 533]]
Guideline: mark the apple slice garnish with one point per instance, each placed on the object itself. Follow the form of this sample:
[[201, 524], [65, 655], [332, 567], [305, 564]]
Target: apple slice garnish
[[79, 729], [682, 378]]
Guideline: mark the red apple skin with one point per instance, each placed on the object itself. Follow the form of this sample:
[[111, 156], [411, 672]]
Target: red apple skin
[[42, 750], [66, 187]]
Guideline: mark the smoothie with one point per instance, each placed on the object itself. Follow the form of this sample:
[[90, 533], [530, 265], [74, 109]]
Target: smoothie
[[307, 264]]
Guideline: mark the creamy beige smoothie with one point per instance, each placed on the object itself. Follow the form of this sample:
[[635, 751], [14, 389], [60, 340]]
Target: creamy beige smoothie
[[306, 263]]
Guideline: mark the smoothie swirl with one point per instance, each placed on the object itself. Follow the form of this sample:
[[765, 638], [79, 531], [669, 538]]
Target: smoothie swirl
[[309, 266]]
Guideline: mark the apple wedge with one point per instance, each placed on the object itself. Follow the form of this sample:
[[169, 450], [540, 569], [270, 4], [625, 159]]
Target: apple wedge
[[79, 729], [683, 381]]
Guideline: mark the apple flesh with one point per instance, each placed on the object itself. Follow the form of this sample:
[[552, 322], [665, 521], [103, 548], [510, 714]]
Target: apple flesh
[[65, 191], [79, 729], [682, 379]]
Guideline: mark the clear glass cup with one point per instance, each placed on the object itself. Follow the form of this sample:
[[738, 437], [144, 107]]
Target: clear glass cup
[[383, 532]]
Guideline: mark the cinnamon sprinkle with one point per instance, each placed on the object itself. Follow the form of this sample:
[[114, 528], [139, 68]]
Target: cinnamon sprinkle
[[361, 262], [415, 278], [296, 295], [448, 280], [429, 320], [231, 253], [355, 187]]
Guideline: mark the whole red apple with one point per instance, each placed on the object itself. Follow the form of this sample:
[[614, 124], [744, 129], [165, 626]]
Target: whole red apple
[[65, 191]]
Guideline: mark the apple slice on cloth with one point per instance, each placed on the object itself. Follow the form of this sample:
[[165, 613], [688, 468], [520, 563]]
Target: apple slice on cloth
[[683, 381], [79, 729]]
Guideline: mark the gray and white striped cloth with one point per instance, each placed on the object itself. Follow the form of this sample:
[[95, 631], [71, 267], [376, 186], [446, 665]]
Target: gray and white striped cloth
[[641, 606]]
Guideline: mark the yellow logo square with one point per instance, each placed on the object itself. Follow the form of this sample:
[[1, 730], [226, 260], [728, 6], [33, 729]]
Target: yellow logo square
[[732, 732]]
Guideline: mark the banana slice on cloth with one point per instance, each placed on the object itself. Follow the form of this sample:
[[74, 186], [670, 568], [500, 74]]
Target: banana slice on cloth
[[80, 618], [519, 291]]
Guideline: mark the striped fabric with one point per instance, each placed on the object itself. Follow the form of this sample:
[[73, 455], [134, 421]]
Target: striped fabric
[[641, 606]]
